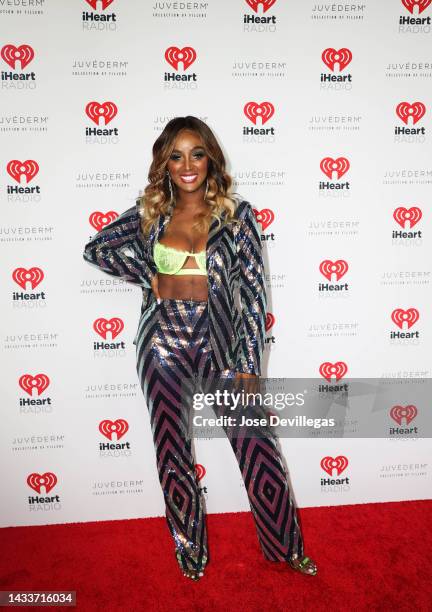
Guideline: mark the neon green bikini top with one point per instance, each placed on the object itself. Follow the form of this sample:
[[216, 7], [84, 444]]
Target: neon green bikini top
[[170, 261]]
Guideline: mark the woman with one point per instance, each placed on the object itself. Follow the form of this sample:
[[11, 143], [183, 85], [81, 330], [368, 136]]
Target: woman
[[195, 250]]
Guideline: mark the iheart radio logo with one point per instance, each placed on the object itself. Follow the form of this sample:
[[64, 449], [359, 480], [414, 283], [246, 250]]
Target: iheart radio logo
[[405, 110], [407, 215], [103, 326], [331, 57], [398, 413], [265, 217], [339, 463], [12, 55], [109, 428], [269, 321], [40, 382], [329, 370], [253, 110], [174, 56], [99, 220], [37, 481], [28, 169], [103, 3], [410, 316], [106, 111], [421, 4], [338, 268], [266, 4], [22, 276], [200, 471], [329, 165]]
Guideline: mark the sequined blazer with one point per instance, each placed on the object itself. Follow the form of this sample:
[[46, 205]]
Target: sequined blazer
[[236, 285]]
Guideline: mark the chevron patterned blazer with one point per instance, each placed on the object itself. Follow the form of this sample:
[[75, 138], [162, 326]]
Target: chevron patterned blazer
[[236, 285]]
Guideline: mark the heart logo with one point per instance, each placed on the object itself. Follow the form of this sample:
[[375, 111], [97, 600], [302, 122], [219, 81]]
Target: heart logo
[[338, 268], [106, 111], [266, 4], [269, 321], [407, 215], [331, 57], [405, 110], [22, 276], [339, 464], [174, 55], [410, 4], [410, 316], [329, 165], [253, 110], [40, 382], [12, 54], [100, 220], [398, 413], [109, 428], [103, 326], [37, 481], [200, 471], [28, 169], [105, 3], [338, 370], [265, 217]]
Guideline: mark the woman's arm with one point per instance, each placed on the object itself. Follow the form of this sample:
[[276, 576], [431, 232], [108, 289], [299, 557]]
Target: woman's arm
[[116, 250], [252, 290]]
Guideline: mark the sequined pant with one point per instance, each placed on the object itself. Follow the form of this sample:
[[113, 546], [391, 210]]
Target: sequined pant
[[172, 346]]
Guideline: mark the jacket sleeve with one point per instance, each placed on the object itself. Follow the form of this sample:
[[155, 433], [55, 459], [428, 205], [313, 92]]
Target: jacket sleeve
[[252, 291], [120, 249]]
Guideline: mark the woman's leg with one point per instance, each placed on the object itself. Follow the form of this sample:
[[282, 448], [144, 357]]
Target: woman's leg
[[172, 346], [265, 478]]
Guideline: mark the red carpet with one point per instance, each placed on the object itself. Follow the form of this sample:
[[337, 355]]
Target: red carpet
[[368, 557]]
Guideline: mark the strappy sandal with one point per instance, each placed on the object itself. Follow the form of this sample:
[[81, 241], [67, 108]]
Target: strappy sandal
[[305, 565], [192, 574]]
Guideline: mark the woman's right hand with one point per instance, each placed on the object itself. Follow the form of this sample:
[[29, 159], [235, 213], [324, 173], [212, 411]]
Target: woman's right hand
[[155, 287]]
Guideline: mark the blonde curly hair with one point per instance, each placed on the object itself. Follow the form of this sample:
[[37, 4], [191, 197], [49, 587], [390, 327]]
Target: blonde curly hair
[[157, 199]]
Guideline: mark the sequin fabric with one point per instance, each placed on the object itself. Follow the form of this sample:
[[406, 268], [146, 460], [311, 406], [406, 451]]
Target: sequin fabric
[[173, 360]]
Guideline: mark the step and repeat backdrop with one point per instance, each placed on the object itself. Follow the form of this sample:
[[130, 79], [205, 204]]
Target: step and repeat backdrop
[[324, 112]]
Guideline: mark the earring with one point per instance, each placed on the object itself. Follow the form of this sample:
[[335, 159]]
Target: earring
[[206, 191], [170, 186]]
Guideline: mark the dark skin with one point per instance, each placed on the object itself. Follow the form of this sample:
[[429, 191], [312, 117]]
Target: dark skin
[[188, 157]]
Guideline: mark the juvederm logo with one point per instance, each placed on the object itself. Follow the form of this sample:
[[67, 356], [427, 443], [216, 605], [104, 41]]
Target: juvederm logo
[[17, 58]]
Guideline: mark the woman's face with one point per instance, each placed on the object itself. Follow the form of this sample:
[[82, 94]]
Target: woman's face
[[188, 162]]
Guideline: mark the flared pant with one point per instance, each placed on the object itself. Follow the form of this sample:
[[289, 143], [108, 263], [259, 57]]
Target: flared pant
[[172, 346]]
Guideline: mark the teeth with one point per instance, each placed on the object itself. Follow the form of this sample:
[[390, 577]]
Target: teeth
[[189, 178]]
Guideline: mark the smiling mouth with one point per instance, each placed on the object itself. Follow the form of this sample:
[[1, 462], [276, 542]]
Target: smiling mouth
[[188, 178]]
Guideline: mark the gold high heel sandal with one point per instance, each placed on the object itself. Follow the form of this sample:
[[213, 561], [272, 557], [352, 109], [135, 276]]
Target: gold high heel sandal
[[304, 564]]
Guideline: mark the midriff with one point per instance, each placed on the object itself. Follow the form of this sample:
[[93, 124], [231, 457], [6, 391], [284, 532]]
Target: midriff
[[183, 287]]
